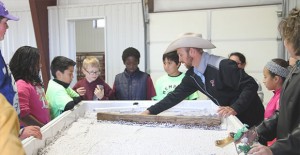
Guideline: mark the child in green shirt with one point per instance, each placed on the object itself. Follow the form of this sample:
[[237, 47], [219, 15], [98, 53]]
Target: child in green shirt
[[167, 83], [60, 95]]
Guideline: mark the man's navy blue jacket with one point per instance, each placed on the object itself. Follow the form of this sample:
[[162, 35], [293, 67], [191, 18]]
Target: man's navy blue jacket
[[225, 84]]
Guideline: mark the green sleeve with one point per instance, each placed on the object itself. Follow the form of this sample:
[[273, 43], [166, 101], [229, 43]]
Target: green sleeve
[[58, 97], [193, 96], [71, 92]]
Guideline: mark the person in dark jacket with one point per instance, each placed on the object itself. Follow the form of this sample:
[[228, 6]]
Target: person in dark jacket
[[133, 84], [240, 59], [220, 79], [285, 124]]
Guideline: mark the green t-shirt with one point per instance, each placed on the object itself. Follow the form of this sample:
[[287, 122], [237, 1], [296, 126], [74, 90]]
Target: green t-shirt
[[166, 84], [58, 97]]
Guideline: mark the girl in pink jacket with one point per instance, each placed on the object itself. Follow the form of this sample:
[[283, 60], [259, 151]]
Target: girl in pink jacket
[[275, 73]]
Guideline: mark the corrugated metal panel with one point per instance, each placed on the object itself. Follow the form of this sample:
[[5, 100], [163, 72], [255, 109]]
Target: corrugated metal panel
[[20, 33], [177, 5], [124, 28], [250, 30]]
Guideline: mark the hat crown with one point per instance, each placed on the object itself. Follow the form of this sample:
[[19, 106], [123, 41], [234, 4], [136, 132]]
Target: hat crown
[[4, 13], [3, 10], [190, 34], [193, 40]]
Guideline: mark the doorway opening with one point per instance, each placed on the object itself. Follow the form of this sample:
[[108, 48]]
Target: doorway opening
[[90, 41]]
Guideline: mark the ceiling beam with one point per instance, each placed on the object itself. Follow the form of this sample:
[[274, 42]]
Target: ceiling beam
[[150, 6]]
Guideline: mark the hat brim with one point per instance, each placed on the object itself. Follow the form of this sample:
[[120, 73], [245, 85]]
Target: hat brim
[[11, 17], [189, 41]]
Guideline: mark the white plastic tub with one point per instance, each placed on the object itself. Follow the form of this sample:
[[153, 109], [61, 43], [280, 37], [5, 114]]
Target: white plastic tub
[[31, 145]]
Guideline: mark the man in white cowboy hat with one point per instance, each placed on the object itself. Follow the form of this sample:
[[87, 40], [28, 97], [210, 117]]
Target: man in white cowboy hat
[[220, 79]]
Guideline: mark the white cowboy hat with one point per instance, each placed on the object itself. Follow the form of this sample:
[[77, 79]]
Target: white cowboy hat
[[190, 40]]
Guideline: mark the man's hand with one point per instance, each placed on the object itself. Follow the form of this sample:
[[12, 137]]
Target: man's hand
[[34, 131], [81, 91], [259, 149], [225, 111], [99, 92], [146, 112]]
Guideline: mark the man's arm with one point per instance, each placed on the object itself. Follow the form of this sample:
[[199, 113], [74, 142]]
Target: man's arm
[[70, 105], [183, 90], [238, 80], [267, 129], [289, 145]]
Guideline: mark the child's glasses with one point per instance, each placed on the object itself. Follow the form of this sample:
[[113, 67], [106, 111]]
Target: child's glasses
[[92, 72]]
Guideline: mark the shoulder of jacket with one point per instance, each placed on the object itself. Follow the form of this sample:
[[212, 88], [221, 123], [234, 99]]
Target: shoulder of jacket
[[190, 71]]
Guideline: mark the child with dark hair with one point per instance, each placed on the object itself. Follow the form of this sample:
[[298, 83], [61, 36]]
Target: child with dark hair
[[60, 95], [275, 73], [133, 84], [130, 51], [25, 67], [240, 59], [167, 83]]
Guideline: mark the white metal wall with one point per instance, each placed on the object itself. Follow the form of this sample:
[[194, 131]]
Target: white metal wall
[[250, 30], [226, 28], [124, 28], [20, 32]]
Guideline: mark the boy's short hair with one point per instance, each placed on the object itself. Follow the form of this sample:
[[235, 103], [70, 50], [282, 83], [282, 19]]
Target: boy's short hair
[[61, 63], [130, 51], [92, 61], [173, 56]]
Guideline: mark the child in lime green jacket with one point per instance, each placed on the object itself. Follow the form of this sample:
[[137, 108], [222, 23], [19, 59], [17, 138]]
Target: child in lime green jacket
[[60, 95]]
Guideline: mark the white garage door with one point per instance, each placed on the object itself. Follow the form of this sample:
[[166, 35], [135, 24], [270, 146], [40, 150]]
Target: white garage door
[[250, 30]]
